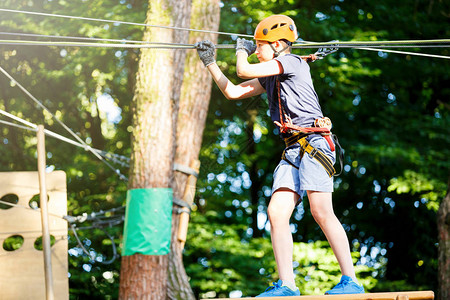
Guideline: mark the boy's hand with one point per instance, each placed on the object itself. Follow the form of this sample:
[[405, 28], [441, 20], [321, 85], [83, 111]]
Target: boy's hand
[[245, 45], [206, 51]]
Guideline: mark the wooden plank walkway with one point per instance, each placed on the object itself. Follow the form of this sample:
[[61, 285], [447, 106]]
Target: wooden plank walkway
[[422, 295]]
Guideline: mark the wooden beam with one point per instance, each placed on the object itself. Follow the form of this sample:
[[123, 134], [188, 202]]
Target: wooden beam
[[421, 295]]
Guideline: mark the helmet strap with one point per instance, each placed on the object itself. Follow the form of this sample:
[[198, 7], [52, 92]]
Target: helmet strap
[[275, 52]]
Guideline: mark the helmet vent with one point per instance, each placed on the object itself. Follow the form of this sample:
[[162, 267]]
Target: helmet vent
[[274, 26]]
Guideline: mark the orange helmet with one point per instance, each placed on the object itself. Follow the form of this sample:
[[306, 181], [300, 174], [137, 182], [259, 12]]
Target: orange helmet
[[276, 27]]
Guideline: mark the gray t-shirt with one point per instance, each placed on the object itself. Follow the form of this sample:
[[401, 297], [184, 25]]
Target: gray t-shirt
[[298, 96]]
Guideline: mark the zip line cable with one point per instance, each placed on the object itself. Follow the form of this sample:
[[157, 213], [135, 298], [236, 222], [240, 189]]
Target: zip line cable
[[123, 160], [297, 45], [391, 44], [80, 218], [118, 159], [42, 106], [25, 122], [224, 46], [120, 22], [100, 45], [406, 53], [84, 38], [443, 43], [335, 44], [27, 207]]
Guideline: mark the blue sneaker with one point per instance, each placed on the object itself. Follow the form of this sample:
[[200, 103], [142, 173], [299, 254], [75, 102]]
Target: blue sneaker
[[346, 286], [277, 290]]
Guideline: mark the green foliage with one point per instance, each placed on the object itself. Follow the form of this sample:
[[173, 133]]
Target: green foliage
[[390, 112], [318, 270], [228, 264], [70, 81], [13, 243]]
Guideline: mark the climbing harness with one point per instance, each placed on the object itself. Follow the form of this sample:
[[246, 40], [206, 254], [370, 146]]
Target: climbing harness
[[299, 134]]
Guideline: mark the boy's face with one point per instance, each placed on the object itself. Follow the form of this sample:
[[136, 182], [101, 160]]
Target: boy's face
[[263, 51]]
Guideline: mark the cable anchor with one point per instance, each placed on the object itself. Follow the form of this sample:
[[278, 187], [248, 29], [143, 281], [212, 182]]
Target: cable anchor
[[324, 51]]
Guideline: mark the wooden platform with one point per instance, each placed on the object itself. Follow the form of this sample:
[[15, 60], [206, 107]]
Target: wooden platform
[[423, 295]]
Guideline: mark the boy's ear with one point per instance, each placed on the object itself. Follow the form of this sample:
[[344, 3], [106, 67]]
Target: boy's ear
[[278, 44]]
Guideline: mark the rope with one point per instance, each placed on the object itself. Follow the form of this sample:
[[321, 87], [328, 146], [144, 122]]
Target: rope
[[16, 125], [25, 122], [385, 44], [360, 46], [92, 256], [150, 45], [78, 38], [80, 218], [43, 107], [102, 45], [406, 53], [120, 22], [26, 207], [119, 159], [389, 44], [98, 223], [302, 44], [298, 45], [92, 216]]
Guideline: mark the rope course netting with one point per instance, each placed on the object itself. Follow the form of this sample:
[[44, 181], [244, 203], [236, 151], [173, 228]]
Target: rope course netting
[[103, 219]]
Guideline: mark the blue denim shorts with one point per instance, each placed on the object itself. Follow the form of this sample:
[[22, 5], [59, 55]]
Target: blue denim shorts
[[310, 175]]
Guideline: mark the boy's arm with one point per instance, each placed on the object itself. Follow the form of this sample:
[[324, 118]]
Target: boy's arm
[[245, 48], [246, 89], [206, 51], [246, 70]]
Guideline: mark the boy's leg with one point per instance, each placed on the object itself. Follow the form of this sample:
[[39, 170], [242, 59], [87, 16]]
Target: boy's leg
[[280, 209], [322, 211]]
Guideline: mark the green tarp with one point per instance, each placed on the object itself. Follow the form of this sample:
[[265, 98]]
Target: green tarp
[[148, 222]]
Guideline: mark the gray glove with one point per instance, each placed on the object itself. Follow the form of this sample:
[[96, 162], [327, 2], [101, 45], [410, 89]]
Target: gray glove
[[206, 51], [246, 45]]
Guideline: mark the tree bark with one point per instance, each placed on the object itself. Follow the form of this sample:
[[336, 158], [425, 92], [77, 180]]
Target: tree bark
[[194, 102], [155, 110], [443, 220]]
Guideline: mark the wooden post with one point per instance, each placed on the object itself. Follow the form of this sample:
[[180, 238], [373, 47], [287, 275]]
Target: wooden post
[[44, 213], [188, 197]]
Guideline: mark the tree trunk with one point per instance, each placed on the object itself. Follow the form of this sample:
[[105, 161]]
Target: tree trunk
[[444, 247], [194, 102], [155, 110]]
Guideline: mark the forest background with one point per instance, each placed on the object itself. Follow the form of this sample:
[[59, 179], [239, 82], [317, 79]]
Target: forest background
[[390, 111]]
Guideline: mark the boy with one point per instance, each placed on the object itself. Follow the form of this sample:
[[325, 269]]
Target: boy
[[292, 101]]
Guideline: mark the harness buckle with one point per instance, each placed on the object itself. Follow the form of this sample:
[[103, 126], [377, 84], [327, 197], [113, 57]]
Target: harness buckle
[[313, 152]]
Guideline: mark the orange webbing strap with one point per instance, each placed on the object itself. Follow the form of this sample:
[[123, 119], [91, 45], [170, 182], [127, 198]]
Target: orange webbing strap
[[287, 126], [325, 132], [309, 58]]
